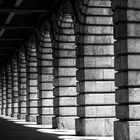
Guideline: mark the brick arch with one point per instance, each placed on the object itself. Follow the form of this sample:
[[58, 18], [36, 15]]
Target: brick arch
[[32, 91], [1, 93], [4, 101], [64, 55], [14, 74], [95, 63], [32, 45], [22, 83], [45, 77], [8, 74], [66, 8]]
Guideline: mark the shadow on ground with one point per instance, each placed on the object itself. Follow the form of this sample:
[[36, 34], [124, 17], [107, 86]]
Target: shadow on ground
[[12, 129]]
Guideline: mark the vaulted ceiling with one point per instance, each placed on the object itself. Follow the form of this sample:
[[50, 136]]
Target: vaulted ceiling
[[18, 18]]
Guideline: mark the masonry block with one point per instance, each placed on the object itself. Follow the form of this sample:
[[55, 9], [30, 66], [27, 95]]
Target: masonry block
[[96, 111], [97, 98], [96, 86], [97, 74], [126, 130], [127, 95], [94, 126], [65, 111], [64, 91], [44, 120], [103, 62], [31, 118], [67, 123]]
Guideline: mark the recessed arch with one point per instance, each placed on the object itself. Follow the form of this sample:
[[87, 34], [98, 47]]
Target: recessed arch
[[64, 55], [95, 63], [45, 76], [8, 89], [14, 74], [22, 74], [32, 91], [4, 101]]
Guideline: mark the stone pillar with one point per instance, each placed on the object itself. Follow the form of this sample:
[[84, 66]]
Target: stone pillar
[[14, 87], [127, 65], [95, 64], [32, 92], [65, 105], [45, 80], [1, 93], [8, 90], [4, 101], [22, 85]]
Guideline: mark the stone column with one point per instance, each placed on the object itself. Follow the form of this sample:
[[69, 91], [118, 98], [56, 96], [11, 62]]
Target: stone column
[[8, 90], [1, 92], [14, 87], [127, 65], [22, 85], [32, 92], [65, 105], [4, 101], [45, 80], [95, 64]]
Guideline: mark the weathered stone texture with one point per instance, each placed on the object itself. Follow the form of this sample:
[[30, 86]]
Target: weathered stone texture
[[127, 59], [8, 91], [45, 80], [15, 99], [32, 91], [95, 64], [4, 101], [64, 72]]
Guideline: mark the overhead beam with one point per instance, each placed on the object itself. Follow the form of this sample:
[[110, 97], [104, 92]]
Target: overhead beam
[[11, 39], [7, 48], [2, 61], [16, 27], [10, 16], [3, 54], [16, 10]]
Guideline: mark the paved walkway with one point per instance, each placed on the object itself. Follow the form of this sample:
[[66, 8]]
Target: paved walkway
[[11, 129]]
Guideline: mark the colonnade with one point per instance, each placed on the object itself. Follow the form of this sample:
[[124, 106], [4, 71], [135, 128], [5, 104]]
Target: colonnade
[[64, 73]]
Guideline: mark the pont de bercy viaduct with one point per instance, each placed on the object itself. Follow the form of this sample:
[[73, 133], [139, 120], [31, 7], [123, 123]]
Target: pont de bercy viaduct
[[70, 69]]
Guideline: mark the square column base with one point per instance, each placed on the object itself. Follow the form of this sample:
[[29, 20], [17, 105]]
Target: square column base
[[3, 112], [64, 123], [14, 115], [127, 130], [8, 112], [46, 120], [94, 126], [21, 116], [31, 118]]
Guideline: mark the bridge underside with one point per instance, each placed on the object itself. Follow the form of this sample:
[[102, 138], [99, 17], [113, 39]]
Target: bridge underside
[[73, 65]]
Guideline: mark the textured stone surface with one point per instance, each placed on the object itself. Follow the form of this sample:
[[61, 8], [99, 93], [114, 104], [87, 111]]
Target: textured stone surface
[[64, 122], [4, 92], [95, 64], [127, 130], [45, 80], [15, 100], [32, 91], [8, 91], [126, 31], [95, 127], [64, 73]]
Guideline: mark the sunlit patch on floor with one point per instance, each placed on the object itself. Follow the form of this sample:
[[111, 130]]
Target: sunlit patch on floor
[[84, 138], [58, 132]]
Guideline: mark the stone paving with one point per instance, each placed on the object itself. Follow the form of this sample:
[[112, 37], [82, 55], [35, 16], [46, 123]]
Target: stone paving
[[13, 129]]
